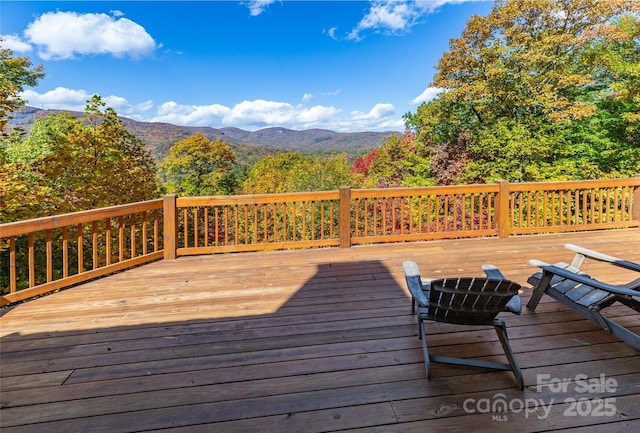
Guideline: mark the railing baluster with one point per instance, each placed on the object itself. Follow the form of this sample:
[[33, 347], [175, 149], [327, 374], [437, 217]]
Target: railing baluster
[[49, 249], [132, 235], [304, 222], [145, 238], [120, 239], [463, 212], [294, 222], [236, 218], [94, 244], [545, 214], [246, 224], [456, 214], [265, 218], [356, 217], [412, 227], [226, 225], [80, 240], [185, 226], [332, 218], [32, 263], [206, 226], [13, 284], [156, 228], [195, 227], [107, 240], [65, 253]]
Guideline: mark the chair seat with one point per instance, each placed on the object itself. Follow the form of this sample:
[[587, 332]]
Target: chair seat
[[587, 296]]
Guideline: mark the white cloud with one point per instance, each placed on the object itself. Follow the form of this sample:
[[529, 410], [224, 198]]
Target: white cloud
[[62, 98], [309, 96], [379, 111], [15, 44], [331, 32], [259, 113], [429, 94], [395, 16], [256, 7], [248, 115], [62, 35], [191, 115], [124, 108], [382, 117]]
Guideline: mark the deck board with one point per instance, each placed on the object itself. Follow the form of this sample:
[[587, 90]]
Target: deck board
[[311, 340]]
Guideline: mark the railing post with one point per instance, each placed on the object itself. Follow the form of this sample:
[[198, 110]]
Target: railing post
[[170, 216], [344, 217], [502, 209], [635, 215]]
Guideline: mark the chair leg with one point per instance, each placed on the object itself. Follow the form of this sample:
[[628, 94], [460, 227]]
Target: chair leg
[[425, 349], [539, 290], [501, 330]]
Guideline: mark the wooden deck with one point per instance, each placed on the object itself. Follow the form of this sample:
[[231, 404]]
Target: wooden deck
[[312, 341]]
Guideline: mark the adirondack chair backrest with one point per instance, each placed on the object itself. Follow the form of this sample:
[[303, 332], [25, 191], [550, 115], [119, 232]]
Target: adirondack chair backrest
[[469, 301]]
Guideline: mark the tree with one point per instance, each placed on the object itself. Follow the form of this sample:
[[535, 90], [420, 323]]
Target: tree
[[197, 166], [69, 164], [15, 74], [397, 162], [320, 174], [294, 172], [18, 198], [523, 84]]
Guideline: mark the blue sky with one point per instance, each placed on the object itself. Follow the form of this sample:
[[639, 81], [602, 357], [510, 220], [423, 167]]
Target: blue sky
[[347, 66]]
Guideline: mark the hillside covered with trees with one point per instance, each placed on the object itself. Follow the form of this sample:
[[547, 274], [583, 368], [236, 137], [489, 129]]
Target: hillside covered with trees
[[537, 90]]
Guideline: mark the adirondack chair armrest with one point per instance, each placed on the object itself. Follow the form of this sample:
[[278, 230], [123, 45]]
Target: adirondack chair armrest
[[414, 283], [583, 279], [514, 305], [492, 271], [603, 257]]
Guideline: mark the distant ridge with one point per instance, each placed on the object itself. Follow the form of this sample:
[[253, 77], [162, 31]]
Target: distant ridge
[[159, 136]]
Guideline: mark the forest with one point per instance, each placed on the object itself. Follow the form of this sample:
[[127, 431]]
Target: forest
[[537, 90]]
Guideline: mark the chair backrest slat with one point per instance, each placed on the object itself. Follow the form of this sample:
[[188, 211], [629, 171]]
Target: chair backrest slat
[[469, 300]]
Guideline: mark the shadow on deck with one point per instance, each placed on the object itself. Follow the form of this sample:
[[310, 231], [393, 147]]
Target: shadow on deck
[[312, 341]]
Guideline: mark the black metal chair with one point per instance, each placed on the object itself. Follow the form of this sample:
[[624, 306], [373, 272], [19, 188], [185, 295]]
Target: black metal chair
[[568, 284], [465, 301]]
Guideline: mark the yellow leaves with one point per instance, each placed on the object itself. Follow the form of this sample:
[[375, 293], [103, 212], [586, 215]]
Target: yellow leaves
[[567, 111], [526, 55], [198, 166]]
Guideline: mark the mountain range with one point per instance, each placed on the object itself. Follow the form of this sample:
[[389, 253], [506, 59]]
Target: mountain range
[[248, 145]]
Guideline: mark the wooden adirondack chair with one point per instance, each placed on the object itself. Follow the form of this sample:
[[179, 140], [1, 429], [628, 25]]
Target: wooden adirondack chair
[[465, 301], [587, 296]]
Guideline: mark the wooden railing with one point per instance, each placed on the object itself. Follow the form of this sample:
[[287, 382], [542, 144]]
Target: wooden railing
[[179, 226], [76, 247], [205, 225], [573, 206], [411, 214]]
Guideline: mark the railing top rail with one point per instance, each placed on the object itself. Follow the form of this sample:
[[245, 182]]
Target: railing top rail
[[51, 222], [427, 190], [574, 184], [226, 200]]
